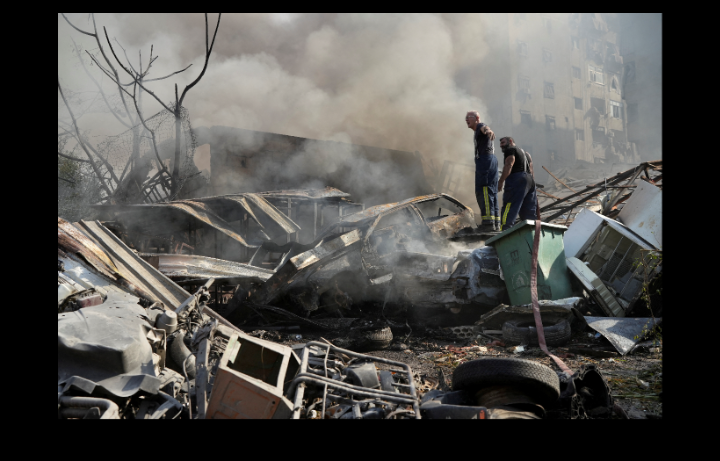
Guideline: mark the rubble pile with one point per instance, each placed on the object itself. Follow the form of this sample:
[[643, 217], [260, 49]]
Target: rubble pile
[[207, 308]]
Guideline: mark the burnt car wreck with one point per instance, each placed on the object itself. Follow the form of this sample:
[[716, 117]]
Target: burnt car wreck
[[218, 308]]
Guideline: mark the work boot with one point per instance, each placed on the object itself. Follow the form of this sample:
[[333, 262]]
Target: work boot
[[486, 228]]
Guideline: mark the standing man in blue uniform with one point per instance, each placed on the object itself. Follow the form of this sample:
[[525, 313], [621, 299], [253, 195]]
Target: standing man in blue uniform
[[486, 172], [520, 195]]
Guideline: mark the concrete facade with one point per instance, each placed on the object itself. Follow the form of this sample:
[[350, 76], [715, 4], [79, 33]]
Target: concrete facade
[[560, 93], [641, 48]]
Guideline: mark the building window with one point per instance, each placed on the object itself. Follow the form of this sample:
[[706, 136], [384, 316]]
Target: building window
[[630, 72], [578, 103], [549, 91], [525, 118], [575, 43], [548, 24], [549, 123], [598, 104], [596, 75], [524, 83], [576, 72], [632, 114], [610, 49], [243, 163], [522, 49], [547, 55], [579, 134], [616, 108], [599, 136]]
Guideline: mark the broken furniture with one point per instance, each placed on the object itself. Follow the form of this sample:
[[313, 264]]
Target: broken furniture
[[252, 379], [514, 249], [343, 384], [610, 261]]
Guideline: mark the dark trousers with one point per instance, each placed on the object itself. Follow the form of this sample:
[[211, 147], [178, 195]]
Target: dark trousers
[[486, 182], [519, 198]]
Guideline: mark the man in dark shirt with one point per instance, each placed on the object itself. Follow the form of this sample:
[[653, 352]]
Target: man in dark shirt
[[520, 196], [486, 172]]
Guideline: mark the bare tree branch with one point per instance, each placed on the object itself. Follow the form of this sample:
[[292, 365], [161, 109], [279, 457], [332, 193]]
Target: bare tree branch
[[132, 75], [102, 93], [102, 51], [152, 133], [73, 158], [128, 59], [169, 75], [208, 50], [79, 30], [110, 76], [77, 130], [99, 87]]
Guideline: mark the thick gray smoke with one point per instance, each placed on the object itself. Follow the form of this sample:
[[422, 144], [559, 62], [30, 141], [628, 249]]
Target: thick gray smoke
[[398, 81], [380, 80]]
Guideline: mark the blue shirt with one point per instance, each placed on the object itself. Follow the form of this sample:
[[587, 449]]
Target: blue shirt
[[483, 143]]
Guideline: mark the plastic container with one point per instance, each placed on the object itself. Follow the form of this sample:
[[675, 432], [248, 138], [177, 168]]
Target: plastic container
[[514, 248]]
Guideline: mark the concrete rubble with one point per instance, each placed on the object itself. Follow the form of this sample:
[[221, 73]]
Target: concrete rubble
[[218, 308]]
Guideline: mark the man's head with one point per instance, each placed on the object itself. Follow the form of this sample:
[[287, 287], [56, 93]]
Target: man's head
[[506, 142], [472, 119]]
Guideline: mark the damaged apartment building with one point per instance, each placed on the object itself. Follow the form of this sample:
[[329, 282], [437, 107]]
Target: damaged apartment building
[[570, 91]]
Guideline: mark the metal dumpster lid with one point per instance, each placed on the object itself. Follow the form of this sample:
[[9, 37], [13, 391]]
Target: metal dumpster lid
[[519, 226]]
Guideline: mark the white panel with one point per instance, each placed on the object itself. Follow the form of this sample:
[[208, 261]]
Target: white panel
[[643, 213]]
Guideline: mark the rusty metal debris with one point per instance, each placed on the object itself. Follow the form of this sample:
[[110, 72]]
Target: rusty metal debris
[[300, 261], [618, 188]]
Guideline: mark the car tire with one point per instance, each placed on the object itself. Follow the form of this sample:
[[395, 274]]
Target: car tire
[[373, 339], [535, 379]]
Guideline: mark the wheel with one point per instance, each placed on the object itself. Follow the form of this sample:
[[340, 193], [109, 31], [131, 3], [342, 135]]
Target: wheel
[[557, 332], [371, 337], [535, 379]]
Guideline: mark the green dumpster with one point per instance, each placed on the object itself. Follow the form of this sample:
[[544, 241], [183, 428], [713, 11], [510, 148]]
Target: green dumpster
[[514, 248]]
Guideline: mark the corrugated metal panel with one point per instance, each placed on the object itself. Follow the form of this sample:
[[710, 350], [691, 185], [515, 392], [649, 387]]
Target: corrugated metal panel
[[133, 268], [202, 212], [310, 194], [215, 212], [72, 241], [270, 217], [173, 265]]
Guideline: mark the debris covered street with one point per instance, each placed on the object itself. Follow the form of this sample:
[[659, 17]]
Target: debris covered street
[[256, 275]]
